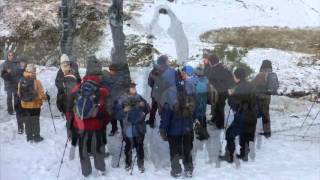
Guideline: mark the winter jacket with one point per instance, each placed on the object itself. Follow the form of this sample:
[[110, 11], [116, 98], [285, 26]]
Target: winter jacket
[[167, 91], [133, 121], [173, 124], [37, 103], [202, 99], [68, 83], [60, 76], [260, 83], [263, 99], [220, 77], [114, 84], [243, 103], [92, 124], [10, 79], [178, 120]]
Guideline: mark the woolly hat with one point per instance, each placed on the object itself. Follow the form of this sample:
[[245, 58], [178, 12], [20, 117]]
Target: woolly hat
[[213, 59], [31, 68], [240, 73], [188, 70], [162, 59], [94, 66], [64, 58]]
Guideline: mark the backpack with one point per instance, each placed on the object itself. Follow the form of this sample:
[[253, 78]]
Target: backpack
[[185, 105], [160, 85], [272, 83], [28, 92], [201, 96], [87, 101]]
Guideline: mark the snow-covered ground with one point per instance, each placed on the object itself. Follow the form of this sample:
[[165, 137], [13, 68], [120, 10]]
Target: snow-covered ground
[[284, 156]]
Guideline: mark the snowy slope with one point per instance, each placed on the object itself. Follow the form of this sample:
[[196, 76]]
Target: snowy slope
[[199, 16], [281, 157]]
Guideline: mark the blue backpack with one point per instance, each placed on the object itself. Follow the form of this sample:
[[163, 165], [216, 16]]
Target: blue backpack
[[201, 95], [87, 101]]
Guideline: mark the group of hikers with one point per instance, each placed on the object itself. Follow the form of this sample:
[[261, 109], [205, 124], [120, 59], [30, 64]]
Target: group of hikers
[[180, 96]]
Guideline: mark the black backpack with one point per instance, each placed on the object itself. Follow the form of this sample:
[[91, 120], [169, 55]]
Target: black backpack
[[28, 93], [272, 83], [87, 101]]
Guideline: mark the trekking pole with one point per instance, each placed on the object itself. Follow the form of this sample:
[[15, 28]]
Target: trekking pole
[[308, 113], [48, 98], [61, 162], [225, 128], [134, 160], [118, 165], [310, 125]]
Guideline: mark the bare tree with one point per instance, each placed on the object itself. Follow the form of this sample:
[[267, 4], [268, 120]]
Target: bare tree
[[68, 23], [118, 54]]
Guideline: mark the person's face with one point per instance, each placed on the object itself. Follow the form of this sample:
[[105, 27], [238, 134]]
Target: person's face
[[23, 65], [205, 61], [183, 75], [10, 56], [167, 62], [112, 72], [132, 90]]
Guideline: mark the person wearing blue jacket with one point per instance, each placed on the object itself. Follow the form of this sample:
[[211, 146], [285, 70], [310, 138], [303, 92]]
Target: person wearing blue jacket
[[131, 110], [176, 127]]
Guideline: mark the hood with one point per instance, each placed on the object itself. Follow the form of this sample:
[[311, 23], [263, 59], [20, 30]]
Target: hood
[[92, 78]]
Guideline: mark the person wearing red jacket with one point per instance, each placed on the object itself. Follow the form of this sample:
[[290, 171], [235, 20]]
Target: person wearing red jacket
[[88, 116]]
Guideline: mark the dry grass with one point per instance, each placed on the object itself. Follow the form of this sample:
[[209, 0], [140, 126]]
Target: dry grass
[[299, 40]]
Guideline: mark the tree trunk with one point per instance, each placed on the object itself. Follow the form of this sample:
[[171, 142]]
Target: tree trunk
[[118, 54], [68, 26]]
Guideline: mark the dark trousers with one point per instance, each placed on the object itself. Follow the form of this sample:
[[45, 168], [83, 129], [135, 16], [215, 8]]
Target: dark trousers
[[218, 114], [92, 140], [11, 95], [135, 142], [19, 115], [153, 111], [203, 121], [114, 124], [266, 119], [245, 138], [180, 148], [31, 118]]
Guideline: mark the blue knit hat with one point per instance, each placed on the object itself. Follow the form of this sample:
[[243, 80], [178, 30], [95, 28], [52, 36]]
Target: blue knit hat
[[162, 59], [188, 70]]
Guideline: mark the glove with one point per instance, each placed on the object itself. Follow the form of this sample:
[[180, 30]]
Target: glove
[[163, 135], [48, 96]]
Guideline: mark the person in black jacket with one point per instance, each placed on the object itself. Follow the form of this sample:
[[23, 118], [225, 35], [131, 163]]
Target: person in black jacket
[[59, 81], [221, 78], [243, 103], [17, 106], [10, 76]]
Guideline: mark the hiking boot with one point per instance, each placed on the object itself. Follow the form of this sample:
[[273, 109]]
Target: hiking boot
[[113, 132], [29, 139], [38, 139], [188, 174], [150, 123], [227, 157], [141, 168], [175, 175], [266, 134], [128, 167], [20, 131], [211, 123]]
